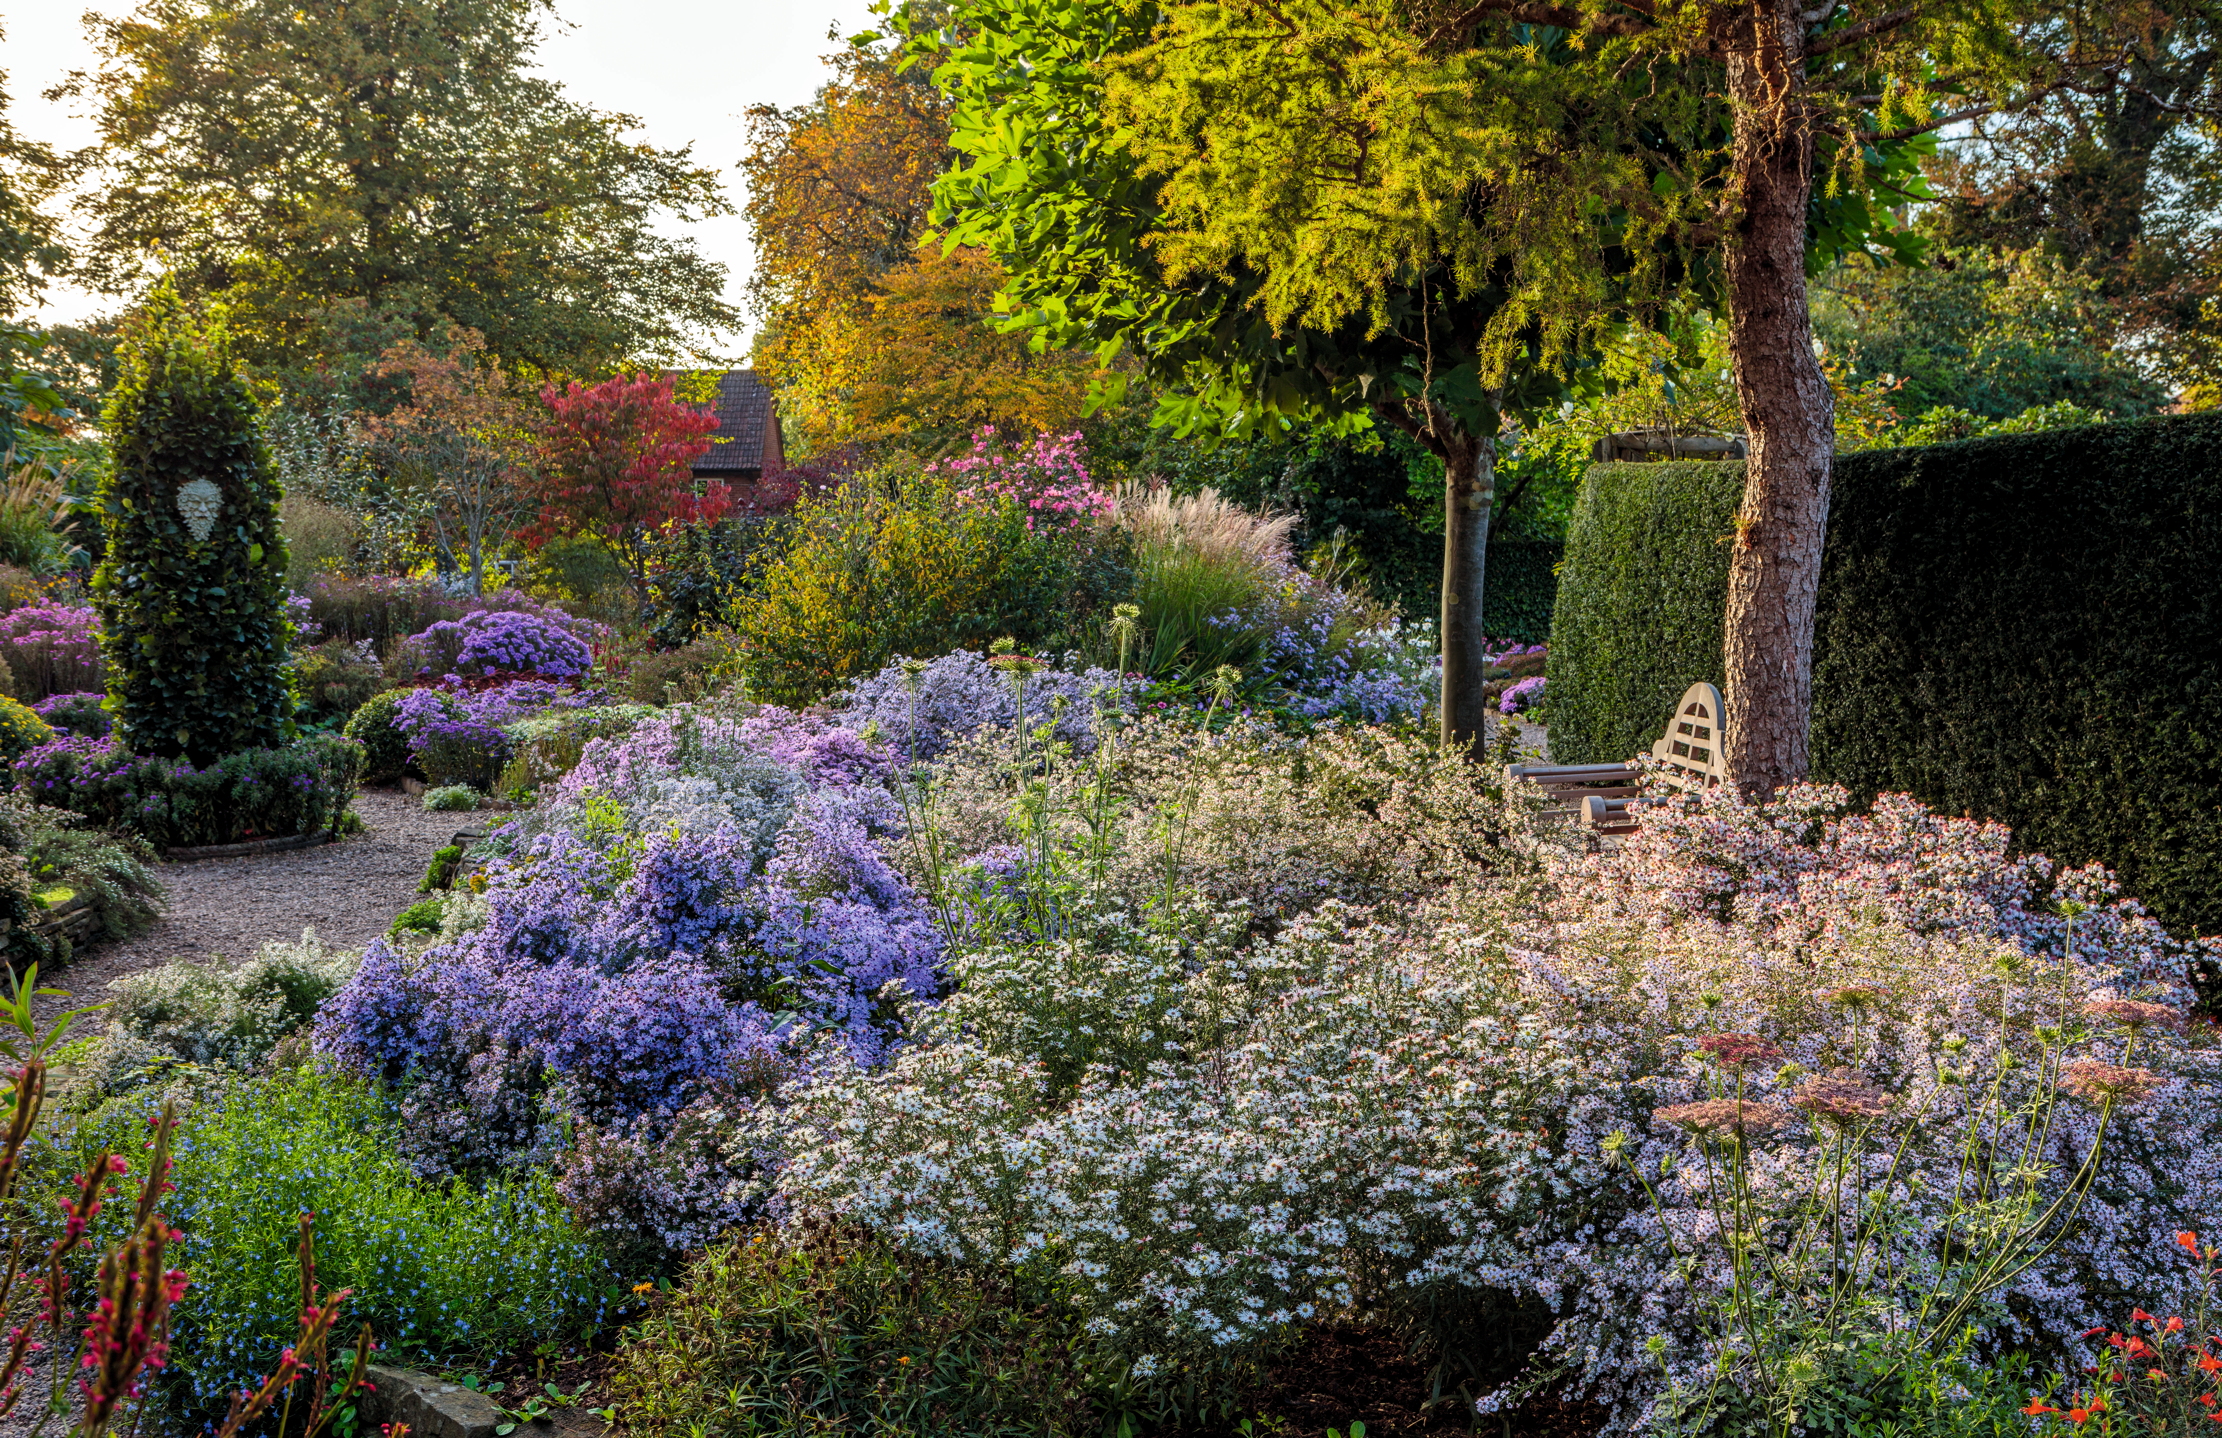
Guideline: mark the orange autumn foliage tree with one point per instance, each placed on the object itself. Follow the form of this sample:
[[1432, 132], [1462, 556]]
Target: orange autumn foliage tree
[[925, 359], [868, 332]]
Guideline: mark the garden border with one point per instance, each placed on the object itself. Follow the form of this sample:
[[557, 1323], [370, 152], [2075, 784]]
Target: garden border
[[247, 849]]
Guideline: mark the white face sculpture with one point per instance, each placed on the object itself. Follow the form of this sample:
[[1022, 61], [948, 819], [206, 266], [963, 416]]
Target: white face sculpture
[[199, 503]]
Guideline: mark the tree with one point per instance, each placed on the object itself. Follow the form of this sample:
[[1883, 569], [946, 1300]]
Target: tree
[[1386, 131], [30, 247], [398, 155], [2114, 177], [839, 191], [616, 467], [192, 591], [462, 444], [926, 359], [1991, 334], [1347, 213]]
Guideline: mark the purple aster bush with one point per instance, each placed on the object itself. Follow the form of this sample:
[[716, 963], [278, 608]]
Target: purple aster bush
[[620, 979], [303, 788], [958, 693], [458, 735], [496, 642]]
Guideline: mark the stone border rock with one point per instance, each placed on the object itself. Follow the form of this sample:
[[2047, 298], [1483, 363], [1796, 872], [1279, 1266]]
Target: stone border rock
[[250, 847]]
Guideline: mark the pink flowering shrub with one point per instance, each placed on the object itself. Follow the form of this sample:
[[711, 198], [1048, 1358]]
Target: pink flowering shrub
[[53, 649], [1457, 1104], [1050, 477]]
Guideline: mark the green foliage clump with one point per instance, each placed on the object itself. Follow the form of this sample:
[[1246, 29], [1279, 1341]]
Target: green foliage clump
[[439, 875], [108, 870], [227, 1015], [2021, 627], [452, 799], [839, 1331], [423, 916], [21, 729], [901, 562], [303, 788], [443, 1272], [385, 748], [194, 630]]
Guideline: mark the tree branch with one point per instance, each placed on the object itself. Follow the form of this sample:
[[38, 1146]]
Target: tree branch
[[1863, 31]]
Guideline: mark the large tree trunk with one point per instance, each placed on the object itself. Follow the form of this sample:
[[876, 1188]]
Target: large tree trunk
[[1469, 486], [1775, 568]]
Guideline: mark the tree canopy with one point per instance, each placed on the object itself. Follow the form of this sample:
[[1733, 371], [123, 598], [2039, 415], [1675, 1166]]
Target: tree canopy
[[390, 166]]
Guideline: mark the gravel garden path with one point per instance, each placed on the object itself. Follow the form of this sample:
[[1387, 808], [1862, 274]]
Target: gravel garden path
[[348, 891]]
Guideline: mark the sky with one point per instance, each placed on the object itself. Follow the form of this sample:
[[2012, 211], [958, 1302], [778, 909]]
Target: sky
[[687, 68]]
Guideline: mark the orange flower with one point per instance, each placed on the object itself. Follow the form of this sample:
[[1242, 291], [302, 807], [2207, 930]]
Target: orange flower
[[2189, 1240], [2208, 1363], [2038, 1405], [2079, 1415], [2175, 1325]]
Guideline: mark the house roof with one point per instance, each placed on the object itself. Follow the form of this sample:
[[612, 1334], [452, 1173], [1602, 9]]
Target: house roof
[[744, 411]]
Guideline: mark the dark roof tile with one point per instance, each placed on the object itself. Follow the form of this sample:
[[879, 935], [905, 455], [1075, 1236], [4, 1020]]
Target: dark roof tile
[[744, 408]]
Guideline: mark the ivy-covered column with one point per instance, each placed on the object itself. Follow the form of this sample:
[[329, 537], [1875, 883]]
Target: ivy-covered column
[[192, 591]]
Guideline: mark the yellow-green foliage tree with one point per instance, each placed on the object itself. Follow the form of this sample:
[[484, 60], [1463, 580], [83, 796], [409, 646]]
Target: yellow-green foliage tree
[[869, 334]]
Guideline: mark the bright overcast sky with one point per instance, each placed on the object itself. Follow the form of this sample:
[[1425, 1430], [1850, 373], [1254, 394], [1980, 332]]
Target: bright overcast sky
[[687, 68]]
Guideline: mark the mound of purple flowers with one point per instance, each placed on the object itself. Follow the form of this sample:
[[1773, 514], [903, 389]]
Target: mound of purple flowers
[[611, 990], [456, 736], [958, 693], [497, 641]]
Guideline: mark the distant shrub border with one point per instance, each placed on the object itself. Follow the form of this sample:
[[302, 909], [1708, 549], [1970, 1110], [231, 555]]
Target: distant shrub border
[[2024, 628], [302, 789]]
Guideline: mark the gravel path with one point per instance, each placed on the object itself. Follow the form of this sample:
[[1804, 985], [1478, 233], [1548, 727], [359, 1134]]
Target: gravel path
[[348, 892]]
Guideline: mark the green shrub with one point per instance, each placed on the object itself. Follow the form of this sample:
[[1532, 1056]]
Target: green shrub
[[452, 799], [333, 680], [21, 729], [194, 630], [2022, 627], [303, 788], [385, 748], [442, 1271], [901, 562], [689, 672], [842, 1332], [108, 870]]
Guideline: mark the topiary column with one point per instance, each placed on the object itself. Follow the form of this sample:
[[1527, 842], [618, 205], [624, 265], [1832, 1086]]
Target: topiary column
[[192, 591]]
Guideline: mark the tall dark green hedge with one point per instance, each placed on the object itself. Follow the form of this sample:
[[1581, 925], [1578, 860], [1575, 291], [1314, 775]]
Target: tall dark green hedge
[[2026, 628], [194, 630], [1519, 588]]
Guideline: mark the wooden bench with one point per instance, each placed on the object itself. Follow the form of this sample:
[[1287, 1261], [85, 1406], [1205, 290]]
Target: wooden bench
[[1605, 797]]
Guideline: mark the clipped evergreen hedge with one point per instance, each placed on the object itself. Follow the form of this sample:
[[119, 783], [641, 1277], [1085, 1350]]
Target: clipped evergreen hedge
[[2027, 628], [1519, 587]]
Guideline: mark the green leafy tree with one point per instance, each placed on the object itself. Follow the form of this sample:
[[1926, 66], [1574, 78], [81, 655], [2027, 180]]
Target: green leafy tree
[[1570, 159], [327, 169], [1064, 185], [192, 591]]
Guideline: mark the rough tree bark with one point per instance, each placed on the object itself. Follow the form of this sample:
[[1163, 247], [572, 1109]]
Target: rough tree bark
[[1469, 492], [1789, 415]]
